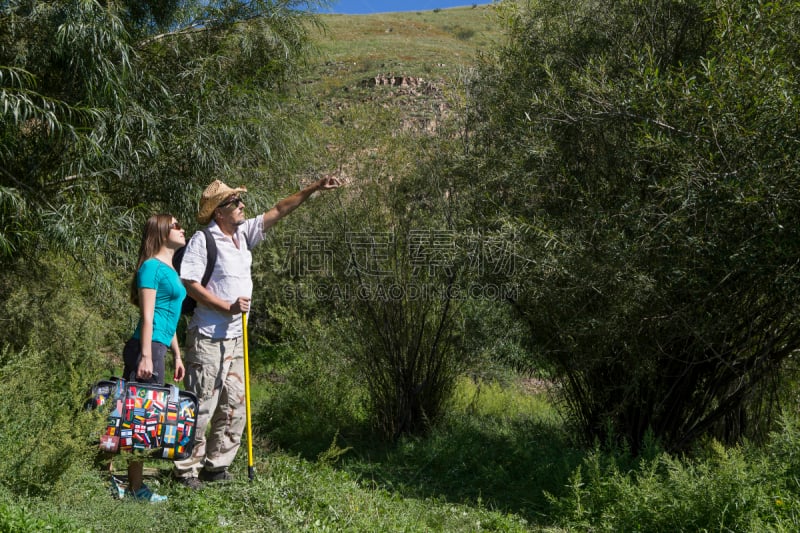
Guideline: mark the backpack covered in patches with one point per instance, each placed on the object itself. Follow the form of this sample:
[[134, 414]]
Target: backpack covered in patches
[[146, 416]]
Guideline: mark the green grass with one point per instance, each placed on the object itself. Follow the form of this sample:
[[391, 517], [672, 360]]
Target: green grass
[[499, 447], [401, 488], [287, 494], [502, 460], [368, 133], [431, 44]]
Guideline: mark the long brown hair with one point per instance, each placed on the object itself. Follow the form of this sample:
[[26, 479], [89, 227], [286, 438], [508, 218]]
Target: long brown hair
[[155, 234]]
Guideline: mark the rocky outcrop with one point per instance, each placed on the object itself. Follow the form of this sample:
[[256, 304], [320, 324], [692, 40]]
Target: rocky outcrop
[[391, 79], [407, 82], [420, 101]]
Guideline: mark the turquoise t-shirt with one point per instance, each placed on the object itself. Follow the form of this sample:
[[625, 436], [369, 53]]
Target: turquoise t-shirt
[[170, 292]]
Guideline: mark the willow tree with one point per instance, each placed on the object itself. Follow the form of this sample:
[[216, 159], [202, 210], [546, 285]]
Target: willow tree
[[108, 105], [647, 153], [110, 109]]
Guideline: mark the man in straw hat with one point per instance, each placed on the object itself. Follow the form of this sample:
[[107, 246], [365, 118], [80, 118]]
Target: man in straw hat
[[214, 358]]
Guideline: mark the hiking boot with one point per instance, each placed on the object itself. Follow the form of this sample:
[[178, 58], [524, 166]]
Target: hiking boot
[[218, 475], [144, 494], [190, 482]]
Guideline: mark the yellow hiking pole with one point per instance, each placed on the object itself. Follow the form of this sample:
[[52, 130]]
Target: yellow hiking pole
[[250, 471]]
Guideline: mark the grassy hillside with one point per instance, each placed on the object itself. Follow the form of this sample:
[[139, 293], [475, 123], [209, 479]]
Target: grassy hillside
[[432, 44], [376, 76]]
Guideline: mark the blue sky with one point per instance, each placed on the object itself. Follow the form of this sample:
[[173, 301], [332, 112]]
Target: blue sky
[[363, 7]]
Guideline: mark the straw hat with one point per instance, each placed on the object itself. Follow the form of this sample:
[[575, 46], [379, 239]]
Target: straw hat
[[215, 194]]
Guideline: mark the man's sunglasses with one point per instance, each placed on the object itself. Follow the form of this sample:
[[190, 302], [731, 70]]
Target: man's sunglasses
[[236, 202]]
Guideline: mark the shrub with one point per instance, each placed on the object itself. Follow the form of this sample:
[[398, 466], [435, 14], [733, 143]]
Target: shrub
[[745, 488], [657, 211], [56, 304], [310, 396], [46, 430], [18, 519]]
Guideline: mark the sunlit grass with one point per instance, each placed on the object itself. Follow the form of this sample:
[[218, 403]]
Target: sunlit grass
[[495, 400], [501, 460], [434, 44]]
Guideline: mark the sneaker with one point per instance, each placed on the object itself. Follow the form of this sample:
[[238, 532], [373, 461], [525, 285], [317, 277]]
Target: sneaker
[[218, 475], [144, 494], [118, 486], [190, 482]]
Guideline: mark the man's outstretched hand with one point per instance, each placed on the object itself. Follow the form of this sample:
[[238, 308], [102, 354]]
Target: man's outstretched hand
[[327, 182]]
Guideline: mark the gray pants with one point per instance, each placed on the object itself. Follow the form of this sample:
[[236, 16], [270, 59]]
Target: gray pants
[[132, 354], [215, 373]]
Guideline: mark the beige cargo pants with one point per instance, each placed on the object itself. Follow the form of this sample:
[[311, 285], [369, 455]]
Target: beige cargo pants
[[215, 373]]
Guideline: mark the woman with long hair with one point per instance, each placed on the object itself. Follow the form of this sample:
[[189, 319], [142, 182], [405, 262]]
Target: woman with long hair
[[158, 292]]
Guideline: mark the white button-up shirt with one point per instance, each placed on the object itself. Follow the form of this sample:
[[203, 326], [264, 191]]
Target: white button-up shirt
[[230, 279]]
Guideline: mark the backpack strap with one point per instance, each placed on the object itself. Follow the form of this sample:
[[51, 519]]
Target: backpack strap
[[211, 256]]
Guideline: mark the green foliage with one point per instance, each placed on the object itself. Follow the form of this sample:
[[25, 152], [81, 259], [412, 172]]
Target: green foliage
[[102, 121], [402, 328], [58, 306], [106, 108], [62, 332], [486, 468], [17, 519], [348, 269], [333, 453], [287, 494], [497, 446], [311, 397], [644, 153], [494, 349], [71, 58], [637, 158], [734, 489], [47, 432]]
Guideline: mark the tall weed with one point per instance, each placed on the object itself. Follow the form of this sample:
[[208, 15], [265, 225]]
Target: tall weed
[[46, 433], [59, 306], [502, 447], [312, 396], [744, 488], [16, 518]]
